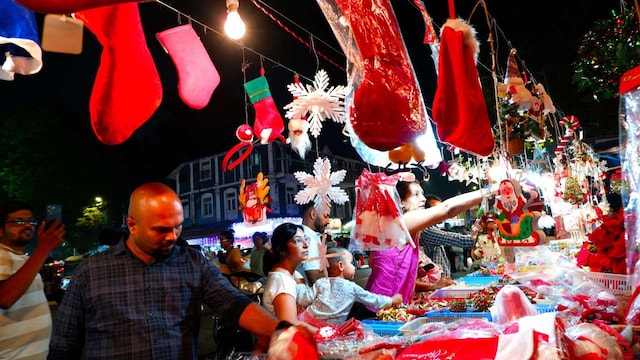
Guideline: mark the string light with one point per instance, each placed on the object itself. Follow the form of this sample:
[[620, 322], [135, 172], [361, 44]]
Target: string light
[[234, 26]]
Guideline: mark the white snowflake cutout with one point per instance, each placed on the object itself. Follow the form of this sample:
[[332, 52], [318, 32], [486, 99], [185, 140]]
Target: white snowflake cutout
[[319, 186], [317, 101]]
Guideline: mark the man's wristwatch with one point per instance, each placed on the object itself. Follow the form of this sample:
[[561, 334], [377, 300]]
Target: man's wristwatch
[[284, 324]]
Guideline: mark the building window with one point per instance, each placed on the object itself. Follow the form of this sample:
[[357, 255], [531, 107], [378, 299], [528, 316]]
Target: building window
[[230, 204], [290, 198], [207, 205], [205, 170], [186, 209]]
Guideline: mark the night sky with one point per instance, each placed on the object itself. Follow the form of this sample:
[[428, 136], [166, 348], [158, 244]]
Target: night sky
[[546, 34]]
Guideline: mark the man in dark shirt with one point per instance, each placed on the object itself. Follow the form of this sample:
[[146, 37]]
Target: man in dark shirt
[[141, 299]]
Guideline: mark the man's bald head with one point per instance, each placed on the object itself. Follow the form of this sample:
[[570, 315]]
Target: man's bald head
[[154, 221], [151, 195]]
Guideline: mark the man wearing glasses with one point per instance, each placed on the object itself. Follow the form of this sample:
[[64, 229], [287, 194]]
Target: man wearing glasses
[[25, 319]]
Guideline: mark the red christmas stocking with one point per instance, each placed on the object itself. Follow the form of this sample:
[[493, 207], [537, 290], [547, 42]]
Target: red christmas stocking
[[68, 6], [127, 88], [268, 125], [459, 108], [197, 76], [388, 109]]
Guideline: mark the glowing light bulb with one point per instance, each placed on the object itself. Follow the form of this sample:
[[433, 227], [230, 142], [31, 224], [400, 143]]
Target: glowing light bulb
[[234, 26]]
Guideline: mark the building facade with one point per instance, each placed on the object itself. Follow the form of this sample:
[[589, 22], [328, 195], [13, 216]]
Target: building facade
[[210, 195]]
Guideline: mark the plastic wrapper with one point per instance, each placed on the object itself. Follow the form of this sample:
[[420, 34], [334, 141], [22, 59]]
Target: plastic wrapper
[[384, 107], [588, 341], [378, 219], [511, 304]]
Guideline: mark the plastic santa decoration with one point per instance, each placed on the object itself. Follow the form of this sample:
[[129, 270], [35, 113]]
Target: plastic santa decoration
[[517, 226], [254, 200]]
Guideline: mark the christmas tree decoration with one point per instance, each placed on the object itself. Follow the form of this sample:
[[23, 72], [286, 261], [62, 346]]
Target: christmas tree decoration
[[19, 41], [254, 201], [197, 76], [268, 125], [127, 88], [459, 109], [318, 101], [606, 52], [319, 186], [573, 192]]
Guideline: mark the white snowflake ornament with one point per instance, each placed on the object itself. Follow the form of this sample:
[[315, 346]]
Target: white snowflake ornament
[[317, 101], [319, 186]]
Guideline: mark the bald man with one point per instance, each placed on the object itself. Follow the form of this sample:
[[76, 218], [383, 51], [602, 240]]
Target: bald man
[[141, 299]]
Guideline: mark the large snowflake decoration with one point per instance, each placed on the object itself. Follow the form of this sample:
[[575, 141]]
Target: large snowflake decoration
[[317, 101], [319, 186]]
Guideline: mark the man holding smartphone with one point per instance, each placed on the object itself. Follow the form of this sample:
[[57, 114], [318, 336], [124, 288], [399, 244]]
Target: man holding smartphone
[[25, 319]]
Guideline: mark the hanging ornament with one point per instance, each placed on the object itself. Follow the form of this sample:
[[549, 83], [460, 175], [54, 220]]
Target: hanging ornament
[[254, 200], [244, 133], [299, 130], [516, 225], [319, 101], [319, 186], [571, 124]]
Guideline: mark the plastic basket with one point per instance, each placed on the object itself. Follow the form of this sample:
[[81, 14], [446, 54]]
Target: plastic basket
[[383, 328], [447, 315], [617, 283], [477, 281], [418, 326]]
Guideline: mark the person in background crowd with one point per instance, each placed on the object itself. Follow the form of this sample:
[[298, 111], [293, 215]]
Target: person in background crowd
[[395, 270], [314, 225], [25, 318], [232, 256], [141, 299], [289, 248], [331, 298], [257, 253], [434, 240]]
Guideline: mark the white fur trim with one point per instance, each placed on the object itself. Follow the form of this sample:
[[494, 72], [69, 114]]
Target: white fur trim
[[20, 64]]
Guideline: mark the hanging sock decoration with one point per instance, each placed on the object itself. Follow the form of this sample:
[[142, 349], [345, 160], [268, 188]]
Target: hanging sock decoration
[[127, 88], [268, 125], [388, 108], [244, 133], [19, 41], [459, 109], [197, 76]]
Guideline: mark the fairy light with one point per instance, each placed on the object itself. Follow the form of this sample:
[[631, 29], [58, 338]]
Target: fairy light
[[234, 26]]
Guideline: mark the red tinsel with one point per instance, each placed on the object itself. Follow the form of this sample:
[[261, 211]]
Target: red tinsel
[[605, 251]]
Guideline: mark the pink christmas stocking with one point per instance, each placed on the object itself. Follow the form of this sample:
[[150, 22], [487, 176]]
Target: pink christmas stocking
[[388, 110], [459, 108], [127, 88], [197, 76], [268, 125]]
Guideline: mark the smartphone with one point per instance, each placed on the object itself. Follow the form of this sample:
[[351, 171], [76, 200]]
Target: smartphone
[[54, 212]]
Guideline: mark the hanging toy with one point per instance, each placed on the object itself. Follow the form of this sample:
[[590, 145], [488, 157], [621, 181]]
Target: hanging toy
[[298, 127], [268, 125], [245, 135], [319, 186], [571, 124], [254, 199]]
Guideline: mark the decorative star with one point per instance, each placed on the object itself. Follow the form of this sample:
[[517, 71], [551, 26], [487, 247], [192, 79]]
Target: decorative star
[[319, 187], [317, 101]]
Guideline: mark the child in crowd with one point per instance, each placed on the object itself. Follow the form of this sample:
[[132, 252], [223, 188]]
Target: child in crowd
[[331, 298]]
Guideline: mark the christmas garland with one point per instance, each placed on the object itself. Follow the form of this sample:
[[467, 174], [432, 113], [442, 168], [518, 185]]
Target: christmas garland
[[606, 52]]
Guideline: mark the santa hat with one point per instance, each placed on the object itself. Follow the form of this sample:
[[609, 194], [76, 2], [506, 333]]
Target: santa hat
[[19, 41], [512, 68]]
